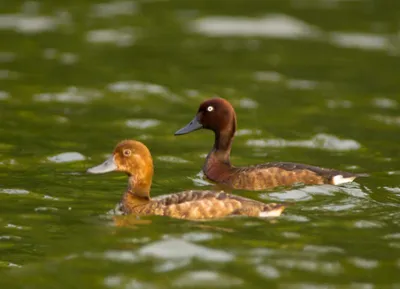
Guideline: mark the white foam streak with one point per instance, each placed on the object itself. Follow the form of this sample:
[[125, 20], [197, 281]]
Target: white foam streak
[[320, 141], [273, 25]]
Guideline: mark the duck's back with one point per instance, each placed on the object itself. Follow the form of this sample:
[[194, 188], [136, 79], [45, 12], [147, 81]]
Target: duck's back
[[197, 205], [274, 174]]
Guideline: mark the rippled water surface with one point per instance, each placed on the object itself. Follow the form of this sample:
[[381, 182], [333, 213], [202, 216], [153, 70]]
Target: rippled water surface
[[312, 81]]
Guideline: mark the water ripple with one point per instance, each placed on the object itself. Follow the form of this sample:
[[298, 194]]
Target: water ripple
[[384, 102], [67, 58], [268, 271], [138, 240], [365, 41], [319, 141], [72, 94], [270, 76], [6, 57], [297, 218], [67, 157], [386, 119], [27, 24], [246, 132], [328, 268], [137, 88], [292, 235], [392, 236], [4, 95], [9, 74], [9, 162], [323, 249], [172, 159], [199, 236], [125, 282], [46, 209], [365, 224], [12, 226], [273, 25], [121, 256], [14, 191], [113, 9], [338, 103], [248, 103], [168, 266], [142, 123], [8, 237], [180, 249], [308, 192], [206, 279], [395, 190], [122, 37], [302, 84], [364, 263]]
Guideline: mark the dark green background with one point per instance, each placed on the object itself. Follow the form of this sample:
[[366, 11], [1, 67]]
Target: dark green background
[[153, 65]]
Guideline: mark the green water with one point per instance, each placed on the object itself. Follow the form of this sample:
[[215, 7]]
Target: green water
[[312, 81]]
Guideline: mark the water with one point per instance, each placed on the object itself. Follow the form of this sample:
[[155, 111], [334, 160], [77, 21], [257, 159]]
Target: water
[[311, 81]]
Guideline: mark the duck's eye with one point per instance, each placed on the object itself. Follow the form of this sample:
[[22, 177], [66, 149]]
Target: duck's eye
[[210, 108], [127, 152]]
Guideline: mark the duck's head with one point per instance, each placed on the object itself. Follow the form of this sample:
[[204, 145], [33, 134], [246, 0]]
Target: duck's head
[[129, 156], [215, 114]]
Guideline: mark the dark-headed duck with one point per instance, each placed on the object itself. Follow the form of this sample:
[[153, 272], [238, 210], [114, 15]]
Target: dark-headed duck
[[218, 115], [134, 158]]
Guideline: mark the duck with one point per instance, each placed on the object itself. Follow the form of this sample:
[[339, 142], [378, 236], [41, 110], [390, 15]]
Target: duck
[[218, 115], [134, 158]]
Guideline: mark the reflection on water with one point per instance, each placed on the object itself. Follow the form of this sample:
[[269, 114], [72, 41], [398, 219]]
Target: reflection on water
[[67, 157], [142, 123], [287, 27], [171, 249], [206, 278], [113, 9], [14, 191], [121, 37], [71, 94], [311, 81], [27, 24], [360, 41], [321, 141], [276, 25]]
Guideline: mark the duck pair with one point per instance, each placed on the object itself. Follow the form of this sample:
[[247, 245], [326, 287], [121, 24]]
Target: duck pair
[[218, 115]]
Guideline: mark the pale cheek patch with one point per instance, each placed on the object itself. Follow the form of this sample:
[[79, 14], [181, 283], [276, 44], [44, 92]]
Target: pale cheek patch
[[337, 180]]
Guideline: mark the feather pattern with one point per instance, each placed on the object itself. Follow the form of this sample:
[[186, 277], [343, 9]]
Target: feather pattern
[[197, 205], [134, 158], [221, 119]]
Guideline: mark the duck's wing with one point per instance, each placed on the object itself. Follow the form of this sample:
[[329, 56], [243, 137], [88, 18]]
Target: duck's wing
[[198, 205], [285, 173]]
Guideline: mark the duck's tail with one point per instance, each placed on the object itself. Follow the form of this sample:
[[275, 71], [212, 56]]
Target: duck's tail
[[345, 178], [272, 210]]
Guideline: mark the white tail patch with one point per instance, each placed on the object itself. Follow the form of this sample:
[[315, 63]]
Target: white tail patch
[[273, 213], [337, 180]]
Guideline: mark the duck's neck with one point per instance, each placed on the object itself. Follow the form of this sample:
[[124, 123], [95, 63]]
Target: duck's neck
[[139, 186], [223, 142], [137, 194], [139, 183]]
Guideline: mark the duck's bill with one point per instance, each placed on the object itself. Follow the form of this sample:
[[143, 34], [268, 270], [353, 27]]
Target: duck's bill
[[108, 166], [191, 126]]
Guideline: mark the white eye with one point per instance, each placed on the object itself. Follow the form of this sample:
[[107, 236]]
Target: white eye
[[210, 108]]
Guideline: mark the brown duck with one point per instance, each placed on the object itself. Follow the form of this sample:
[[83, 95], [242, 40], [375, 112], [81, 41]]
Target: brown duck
[[133, 158], [218, 115]]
